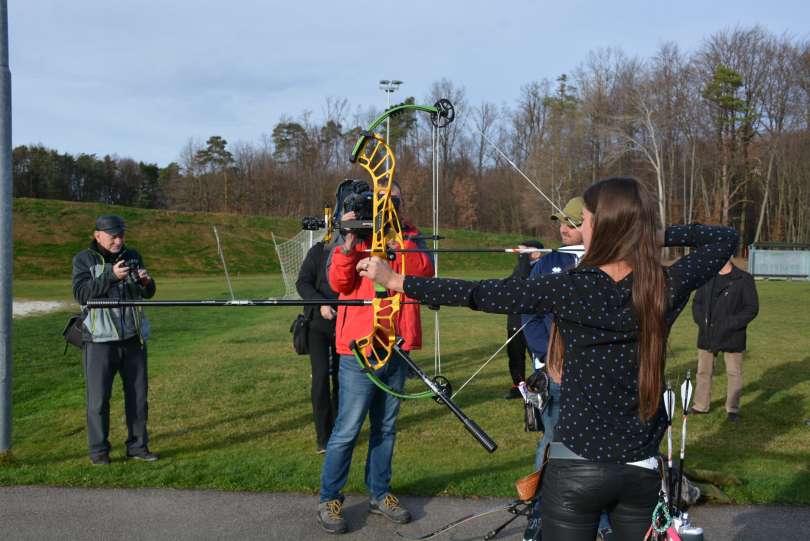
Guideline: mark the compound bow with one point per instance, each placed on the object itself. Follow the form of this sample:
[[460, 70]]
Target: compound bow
[[374, 350], [374, 155]]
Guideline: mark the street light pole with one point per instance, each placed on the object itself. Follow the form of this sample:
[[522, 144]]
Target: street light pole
[[389, 87], [6, 240]]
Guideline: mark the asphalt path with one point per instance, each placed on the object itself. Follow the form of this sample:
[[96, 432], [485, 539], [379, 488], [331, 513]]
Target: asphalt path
[[45, 513]]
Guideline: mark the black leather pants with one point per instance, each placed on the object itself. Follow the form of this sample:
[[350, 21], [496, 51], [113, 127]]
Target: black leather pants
[[576, 491]]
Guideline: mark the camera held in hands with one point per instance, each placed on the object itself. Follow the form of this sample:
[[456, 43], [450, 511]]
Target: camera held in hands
[[134, 266]]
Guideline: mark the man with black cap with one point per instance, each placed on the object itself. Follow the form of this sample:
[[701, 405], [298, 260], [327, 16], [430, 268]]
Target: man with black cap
[[114, 338]]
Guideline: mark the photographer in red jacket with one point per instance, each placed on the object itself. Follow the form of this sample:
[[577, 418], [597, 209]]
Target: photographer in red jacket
[[358, 395]]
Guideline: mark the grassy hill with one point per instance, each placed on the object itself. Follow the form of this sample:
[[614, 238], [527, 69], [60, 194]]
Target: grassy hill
[[48, 233]]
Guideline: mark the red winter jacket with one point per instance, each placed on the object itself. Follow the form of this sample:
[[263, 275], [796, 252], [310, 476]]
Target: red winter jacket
[[355, 322]]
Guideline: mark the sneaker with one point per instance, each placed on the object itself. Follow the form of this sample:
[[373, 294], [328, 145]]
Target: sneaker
[[534, 530], [390, 508], [320, 450], [605, 534], [330, 516], [513, 393], [100, 460], [733, 417], [146, 455]]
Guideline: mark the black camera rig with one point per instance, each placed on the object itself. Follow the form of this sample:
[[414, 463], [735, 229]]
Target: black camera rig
[[353, 196]]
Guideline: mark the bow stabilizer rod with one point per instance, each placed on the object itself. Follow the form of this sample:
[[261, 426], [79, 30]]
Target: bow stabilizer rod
[[443, 397]]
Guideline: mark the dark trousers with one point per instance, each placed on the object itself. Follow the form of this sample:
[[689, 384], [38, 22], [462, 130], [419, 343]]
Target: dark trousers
[[575, 492], [325, 362], [101, 362], [516, 350]]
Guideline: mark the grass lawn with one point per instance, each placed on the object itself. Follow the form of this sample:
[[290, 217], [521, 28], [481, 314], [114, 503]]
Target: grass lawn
[[230, 408]]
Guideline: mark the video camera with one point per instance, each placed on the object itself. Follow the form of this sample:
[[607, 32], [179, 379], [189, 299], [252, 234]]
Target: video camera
[[352, 196], [360, 201]]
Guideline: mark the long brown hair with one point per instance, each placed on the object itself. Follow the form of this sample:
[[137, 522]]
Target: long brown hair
[[625, 228]]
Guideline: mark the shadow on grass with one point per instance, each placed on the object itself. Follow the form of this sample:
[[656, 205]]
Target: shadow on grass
[[775, 380], [227, 420], [224, 442], [773, 413]]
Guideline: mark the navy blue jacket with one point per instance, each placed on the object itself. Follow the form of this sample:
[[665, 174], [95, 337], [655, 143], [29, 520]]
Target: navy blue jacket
[[538, 327]]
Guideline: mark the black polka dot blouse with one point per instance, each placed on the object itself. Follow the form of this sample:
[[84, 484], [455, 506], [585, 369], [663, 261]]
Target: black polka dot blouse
[[599, 407]]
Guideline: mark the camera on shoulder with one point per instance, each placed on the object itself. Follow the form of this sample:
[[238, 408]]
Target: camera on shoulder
[[360, 200]]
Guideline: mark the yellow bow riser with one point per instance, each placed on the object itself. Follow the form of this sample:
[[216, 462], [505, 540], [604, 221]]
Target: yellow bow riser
[[378, 160]]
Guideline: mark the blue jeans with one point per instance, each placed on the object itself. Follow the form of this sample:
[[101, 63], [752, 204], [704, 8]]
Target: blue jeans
[[359, 397], [550, 416]]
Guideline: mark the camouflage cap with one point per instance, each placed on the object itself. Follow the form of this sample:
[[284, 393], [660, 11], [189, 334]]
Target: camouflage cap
[[572, 212]]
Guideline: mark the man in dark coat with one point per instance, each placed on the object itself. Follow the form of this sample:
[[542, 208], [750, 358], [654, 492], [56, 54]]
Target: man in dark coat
[[722, 309], [312, 283], [516, 347]]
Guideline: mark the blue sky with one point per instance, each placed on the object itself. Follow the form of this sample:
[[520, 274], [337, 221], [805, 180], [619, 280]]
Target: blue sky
[[139, 79]]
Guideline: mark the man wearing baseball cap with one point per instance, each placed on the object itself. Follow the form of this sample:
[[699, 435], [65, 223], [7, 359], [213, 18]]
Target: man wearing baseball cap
[[114, 339], [570, 217]]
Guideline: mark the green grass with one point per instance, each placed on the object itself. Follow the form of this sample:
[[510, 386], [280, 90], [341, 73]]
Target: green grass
[[229, 403], [770, 448], [48, 233]]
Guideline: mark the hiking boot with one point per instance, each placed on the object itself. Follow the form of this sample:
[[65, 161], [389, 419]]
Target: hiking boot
[[534, 530], [330, 516], [146, 455], [513, 393], [390, 508], [100, 460], [733, 417]]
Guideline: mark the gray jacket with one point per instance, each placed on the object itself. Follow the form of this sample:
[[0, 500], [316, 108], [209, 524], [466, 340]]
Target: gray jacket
[[93, 278]]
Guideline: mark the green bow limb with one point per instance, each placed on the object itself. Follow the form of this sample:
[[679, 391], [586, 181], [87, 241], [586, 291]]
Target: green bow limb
[[442, 113]]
